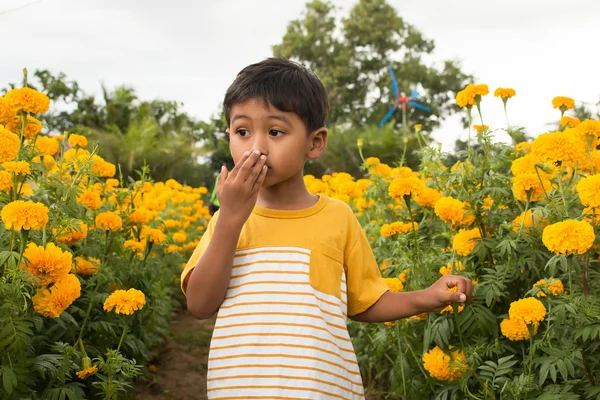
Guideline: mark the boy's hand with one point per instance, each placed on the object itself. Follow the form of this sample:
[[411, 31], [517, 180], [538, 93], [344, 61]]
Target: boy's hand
[[237, 191], [438, 295]]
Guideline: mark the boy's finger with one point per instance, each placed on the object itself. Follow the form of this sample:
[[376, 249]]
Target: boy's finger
[[255, 171], [454, 297], [238, 165], [246, 166], [222, 178], [261, 178]]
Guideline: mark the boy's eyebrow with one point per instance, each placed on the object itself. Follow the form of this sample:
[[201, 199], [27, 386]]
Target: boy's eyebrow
[[239, 117], [280, 118]]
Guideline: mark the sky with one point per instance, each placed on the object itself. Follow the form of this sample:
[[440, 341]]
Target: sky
[[191, 50]]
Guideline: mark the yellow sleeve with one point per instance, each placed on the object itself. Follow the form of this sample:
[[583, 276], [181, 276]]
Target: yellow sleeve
[[364, 282], [198, 251]]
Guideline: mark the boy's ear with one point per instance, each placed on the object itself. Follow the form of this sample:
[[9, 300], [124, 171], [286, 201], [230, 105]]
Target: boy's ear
[[317, 143], [227, 132]]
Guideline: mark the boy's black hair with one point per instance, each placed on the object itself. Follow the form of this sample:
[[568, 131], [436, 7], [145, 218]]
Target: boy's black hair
[[286, 85]]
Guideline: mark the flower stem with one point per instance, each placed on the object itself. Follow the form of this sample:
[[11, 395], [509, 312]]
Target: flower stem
[[87, 314], [401, 354], [122, 336]]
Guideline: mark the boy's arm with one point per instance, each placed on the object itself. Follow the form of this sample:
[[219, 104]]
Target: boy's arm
[[237, 192], [396, 305]]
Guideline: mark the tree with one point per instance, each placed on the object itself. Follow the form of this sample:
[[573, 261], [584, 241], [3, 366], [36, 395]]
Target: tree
[[351, 58]]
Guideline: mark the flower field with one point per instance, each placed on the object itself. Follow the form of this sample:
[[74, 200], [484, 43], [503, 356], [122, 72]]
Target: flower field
[[89, 263], [521, 221]]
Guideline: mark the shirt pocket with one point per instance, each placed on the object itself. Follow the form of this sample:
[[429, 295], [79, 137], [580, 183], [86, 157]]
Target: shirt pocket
[[326, 269]]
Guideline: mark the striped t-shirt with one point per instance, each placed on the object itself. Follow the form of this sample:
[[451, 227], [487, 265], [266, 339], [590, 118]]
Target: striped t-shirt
[[281, 331]]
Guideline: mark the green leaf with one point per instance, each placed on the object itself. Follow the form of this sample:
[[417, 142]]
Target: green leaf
[[9, 379]]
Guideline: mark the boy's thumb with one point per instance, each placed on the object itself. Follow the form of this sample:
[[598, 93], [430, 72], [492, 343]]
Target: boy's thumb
[[455, 297]]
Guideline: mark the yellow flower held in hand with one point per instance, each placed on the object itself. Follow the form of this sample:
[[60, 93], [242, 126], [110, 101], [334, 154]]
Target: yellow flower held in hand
[[125, 301]]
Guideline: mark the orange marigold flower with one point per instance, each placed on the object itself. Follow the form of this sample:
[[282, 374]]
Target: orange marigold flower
[[179, 237], [394, 284], [6, 113], [524, 147], [47, 146], [504, 93], [50, 264], [569, 237], [563, 103], [453, 211], [27, 100], [516, 329], [5, 182], [103, 168], [17, 167], [82, 266], [588, 131], [75, 235], [445, 367], [559, 148], [156, 235], [25, 215], [465, 241], [554, 286], [569, 121], [410, 186], [9, 145], [135, 246], [140, 215], [397, 227], [32, 127], [109, 220], [480, 128], [428, 197], [125, 301], [84, 373], [529, 219], [77, 140], [589, 190], [52, 302], [528, 310], [90, 199], [530, 183]]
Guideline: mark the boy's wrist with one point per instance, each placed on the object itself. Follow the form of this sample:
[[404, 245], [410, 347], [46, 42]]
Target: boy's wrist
[[423, 301]]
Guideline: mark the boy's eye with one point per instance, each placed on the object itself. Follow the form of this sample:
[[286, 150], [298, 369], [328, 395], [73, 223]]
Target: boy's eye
[[275, 132], [242, 132]]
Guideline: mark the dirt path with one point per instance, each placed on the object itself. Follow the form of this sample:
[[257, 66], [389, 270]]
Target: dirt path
[[181, 364]]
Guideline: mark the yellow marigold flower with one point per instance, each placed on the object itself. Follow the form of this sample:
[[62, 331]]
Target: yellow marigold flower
[[47, 146], [428, 197], [6, 113], [382, 169], [569, 237], [444, 367], [529, 310], [526, 165], [26, 190], [26, 215], [504, 93], [449, 309], [563, 103], [402, 276], [410, 186], [559, 148], [173, 248], [103, 168], [32, 127], [90, 199], [179, 237], [588, 131], [394, 284], [77, 140], [372, 161], [9, 145], [524, 147], [51, 303], [569, 122], [73, 236], [156, 235], [480, 128], [465, 241], [171, 223], [453, 211], [84, 373], [135, 246], [419, 317], [554, 286], [125, 301], [109, 220], [50, 264], [112, 182], [589, 191], [516, 329], [17, 167], [402, 172], [532, 218], [5, 182], [27, 100], [141, 215], [530, 183], [82, 266]]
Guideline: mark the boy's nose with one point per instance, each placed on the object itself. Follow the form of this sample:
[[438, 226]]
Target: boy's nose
[[261, 144]]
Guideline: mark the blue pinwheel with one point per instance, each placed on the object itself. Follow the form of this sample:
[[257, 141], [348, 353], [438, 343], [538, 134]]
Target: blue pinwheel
[[403, 100]]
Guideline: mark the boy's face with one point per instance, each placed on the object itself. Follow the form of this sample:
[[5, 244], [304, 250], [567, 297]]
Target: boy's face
[[281, 136]]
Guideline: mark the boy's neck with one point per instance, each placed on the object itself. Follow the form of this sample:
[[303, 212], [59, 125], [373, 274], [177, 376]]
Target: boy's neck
[[290, 194]]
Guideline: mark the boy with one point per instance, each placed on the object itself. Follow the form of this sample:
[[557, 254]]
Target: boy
[[282, 267]]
